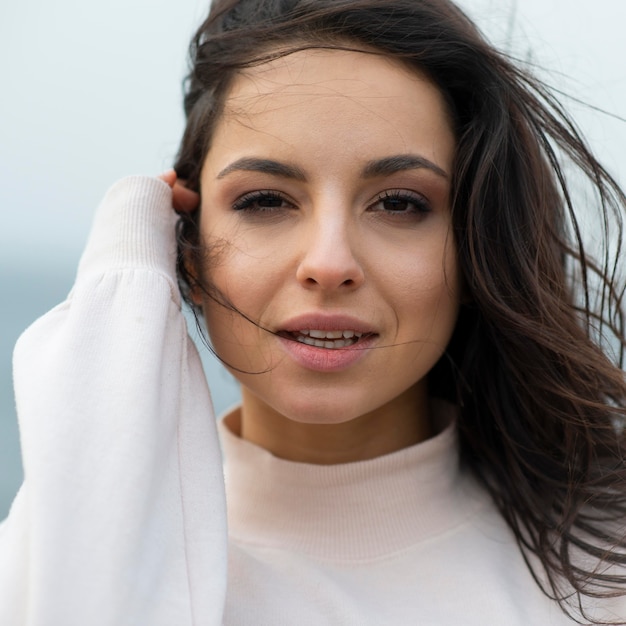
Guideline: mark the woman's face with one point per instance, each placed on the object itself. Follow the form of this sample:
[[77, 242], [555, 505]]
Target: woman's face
[[326, 211]]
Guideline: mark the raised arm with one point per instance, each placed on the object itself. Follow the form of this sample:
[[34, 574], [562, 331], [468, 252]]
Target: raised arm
[[121, 517]]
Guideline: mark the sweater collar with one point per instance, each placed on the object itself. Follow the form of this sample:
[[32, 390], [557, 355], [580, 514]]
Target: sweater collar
[[349, 512]]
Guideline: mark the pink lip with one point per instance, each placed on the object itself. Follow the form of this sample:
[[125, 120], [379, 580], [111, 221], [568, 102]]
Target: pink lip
[[326, 359], [321, 321]]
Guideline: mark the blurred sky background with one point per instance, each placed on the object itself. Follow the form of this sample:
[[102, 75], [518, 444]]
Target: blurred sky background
[[91, 92]]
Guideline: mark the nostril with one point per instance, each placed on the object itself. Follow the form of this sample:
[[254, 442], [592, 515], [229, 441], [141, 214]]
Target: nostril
[[328, 271]]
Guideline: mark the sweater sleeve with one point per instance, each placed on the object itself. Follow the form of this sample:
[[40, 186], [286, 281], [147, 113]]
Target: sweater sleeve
[[121, 517]]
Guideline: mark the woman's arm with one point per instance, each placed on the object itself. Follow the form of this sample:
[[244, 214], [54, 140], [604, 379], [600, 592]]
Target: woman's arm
[[121, 517]]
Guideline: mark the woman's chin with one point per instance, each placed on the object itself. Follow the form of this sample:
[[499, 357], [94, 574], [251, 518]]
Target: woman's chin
[[316, 412]]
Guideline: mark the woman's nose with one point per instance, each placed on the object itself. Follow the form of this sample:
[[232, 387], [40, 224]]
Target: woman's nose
[[329, 261]]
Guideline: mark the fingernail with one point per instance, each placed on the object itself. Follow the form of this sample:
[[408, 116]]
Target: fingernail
[[167, 174]]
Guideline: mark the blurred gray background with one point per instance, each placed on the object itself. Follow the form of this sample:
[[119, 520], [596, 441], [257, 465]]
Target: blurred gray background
[[91, 93]]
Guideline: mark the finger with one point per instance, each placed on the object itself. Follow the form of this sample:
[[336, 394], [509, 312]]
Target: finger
[[184, 200], [168, 177]]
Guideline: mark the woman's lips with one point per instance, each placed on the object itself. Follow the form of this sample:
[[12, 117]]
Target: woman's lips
[[327, 343], [329, 339], [327, 322]]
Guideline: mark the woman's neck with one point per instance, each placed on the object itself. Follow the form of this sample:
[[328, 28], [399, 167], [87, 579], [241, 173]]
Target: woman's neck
[[402, 422]]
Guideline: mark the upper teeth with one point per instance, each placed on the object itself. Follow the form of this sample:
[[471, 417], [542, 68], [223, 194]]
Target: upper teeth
[[328, 338], [331, 334]]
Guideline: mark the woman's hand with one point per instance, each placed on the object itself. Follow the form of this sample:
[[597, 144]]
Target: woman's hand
[[184, 200]]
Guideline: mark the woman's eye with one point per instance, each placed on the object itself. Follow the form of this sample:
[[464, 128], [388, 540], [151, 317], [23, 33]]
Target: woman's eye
[[261, 201], [400, 203]]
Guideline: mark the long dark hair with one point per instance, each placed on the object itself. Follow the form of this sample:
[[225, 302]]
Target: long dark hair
[[535, 361]]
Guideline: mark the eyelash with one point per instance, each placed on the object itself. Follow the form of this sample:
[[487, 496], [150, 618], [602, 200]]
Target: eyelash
[[250, 202], [419, 203]]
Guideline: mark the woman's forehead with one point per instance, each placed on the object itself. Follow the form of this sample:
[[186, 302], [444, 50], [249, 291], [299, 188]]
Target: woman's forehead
[[328, 72], [336, 102]]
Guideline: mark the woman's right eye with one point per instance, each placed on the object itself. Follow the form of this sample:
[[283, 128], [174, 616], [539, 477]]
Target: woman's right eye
[[262, 201]]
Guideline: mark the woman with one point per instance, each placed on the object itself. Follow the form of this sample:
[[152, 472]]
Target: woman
[[386, 254]]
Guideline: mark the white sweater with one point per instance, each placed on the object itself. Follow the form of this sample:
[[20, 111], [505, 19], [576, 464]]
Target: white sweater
[[121, 519]]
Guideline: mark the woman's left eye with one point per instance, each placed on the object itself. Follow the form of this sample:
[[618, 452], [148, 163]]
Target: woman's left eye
[[400, 202], [266, 201]]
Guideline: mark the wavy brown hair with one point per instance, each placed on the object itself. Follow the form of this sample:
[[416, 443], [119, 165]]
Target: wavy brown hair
[[535, 363]]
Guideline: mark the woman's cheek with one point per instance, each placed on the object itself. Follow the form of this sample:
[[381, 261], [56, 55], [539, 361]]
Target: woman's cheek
[[248, 279]]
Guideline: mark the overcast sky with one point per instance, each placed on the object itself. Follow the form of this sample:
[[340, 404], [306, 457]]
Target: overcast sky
[[91, 92]]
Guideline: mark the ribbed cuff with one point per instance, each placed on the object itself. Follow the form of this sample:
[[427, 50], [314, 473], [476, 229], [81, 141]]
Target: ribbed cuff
[[133, 228]]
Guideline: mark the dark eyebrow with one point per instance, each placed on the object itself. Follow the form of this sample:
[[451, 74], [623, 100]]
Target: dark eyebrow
[[266, 166], [378, 167], [398, 163]]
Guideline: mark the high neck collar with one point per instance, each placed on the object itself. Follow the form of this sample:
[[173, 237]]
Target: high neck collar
[[349, 512]]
